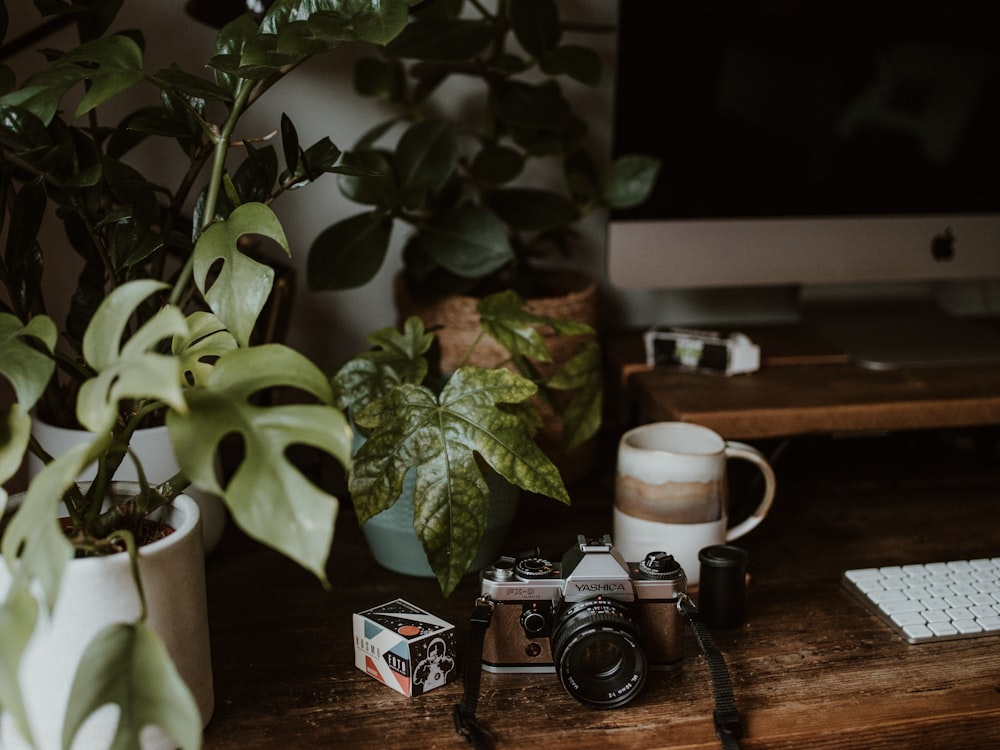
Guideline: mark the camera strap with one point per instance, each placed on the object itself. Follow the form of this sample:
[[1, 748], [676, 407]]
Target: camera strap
[[466, 723], [728, 725]]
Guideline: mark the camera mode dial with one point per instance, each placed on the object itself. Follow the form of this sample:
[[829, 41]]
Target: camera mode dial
[[659, 565], [534, 567]]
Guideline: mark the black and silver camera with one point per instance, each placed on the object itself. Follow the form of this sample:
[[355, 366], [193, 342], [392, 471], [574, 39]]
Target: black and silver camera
[[599, 622]]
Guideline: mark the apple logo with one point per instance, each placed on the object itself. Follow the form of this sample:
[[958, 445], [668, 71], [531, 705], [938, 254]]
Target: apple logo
[[943, 246]]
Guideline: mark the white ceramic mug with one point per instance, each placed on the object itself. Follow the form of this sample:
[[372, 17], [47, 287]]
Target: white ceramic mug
[[672, 494]]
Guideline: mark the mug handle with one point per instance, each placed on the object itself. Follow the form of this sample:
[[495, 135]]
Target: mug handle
[[749, 453]]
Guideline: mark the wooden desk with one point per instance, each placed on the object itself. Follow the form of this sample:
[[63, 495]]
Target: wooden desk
[[811, 667], [802, 389]]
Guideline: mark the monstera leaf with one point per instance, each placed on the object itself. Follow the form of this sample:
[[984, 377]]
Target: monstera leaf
[[441, 437], [28, 370], [239, 292], [133, 369], [207, 340], [109, 66], [127, 665], [33, 547], [268, 495]]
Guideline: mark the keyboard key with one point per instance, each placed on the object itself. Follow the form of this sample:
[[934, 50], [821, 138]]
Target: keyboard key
[[896, 606], [935, 615], [990, 624], [908, 618], [966, 626], [942, 628], [917, 632]]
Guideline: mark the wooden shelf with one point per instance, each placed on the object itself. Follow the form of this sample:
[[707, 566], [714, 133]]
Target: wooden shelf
[[800, 391]]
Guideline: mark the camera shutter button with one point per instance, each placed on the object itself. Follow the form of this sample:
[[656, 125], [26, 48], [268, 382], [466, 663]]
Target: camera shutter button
[[659, 565]]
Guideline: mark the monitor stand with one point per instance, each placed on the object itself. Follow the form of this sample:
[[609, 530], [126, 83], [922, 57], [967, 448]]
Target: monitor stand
[[901, 334]]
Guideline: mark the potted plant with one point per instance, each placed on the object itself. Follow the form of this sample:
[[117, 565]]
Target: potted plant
[[169, 332], [469, 161], [447, 440]]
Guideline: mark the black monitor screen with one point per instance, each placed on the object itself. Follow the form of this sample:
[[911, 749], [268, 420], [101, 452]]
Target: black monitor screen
[[811, 107]]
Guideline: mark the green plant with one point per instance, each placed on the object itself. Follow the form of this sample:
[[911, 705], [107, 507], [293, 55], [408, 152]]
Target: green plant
[[446, 427], [162, 316], [473, 186]]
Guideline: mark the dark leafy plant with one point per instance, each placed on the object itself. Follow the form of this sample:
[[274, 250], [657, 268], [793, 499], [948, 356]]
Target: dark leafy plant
[[161, 320], [467, 184], [445, 429]]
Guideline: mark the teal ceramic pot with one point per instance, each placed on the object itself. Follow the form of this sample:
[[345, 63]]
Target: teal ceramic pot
[[393, 540]]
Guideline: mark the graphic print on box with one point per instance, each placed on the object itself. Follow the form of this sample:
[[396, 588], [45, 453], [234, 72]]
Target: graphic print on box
[[405, 647]]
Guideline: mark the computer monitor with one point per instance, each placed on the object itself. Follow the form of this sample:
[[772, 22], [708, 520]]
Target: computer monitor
[[811, 144]]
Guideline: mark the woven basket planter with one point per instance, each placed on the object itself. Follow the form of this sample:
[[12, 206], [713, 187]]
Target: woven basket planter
[[569, 294]]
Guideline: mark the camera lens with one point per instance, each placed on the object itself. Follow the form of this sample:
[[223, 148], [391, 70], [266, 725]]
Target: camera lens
[[598, 652]]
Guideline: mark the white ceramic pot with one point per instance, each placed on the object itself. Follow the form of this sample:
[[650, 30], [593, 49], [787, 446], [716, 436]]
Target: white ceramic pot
[[97, 592], [156, 454]]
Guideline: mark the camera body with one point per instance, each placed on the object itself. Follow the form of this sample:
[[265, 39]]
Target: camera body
[[597, 621]]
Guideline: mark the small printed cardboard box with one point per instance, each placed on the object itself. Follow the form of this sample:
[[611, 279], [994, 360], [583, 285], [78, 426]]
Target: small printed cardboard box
[[406, 648]]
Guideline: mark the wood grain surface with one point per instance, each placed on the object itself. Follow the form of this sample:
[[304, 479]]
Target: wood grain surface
[[811, 668]]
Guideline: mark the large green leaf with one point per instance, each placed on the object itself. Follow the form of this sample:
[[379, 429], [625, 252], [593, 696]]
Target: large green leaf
[[374, 184], [33, 545], [349, 253], [394, 358], [127, 665], [187, 86], [15, 431], [26, 367], [441, 437], [532, 106], [133, 369], [631, 180], [469, 241], [268, 495], [503, 317], [239, 291], [375, 21], [533, 210], [535, 24], [580, 376], [580, 63], [206, 340], [109, 65], [427, 155]]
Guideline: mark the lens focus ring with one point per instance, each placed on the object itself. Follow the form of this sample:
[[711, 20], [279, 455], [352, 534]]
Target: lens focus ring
[[598, 652]]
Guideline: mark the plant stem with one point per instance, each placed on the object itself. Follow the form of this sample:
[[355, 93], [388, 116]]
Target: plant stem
[[219, 154], [133, 558]]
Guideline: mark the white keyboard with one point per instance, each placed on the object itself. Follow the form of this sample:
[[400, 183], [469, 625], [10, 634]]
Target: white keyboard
[[933, 602]]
